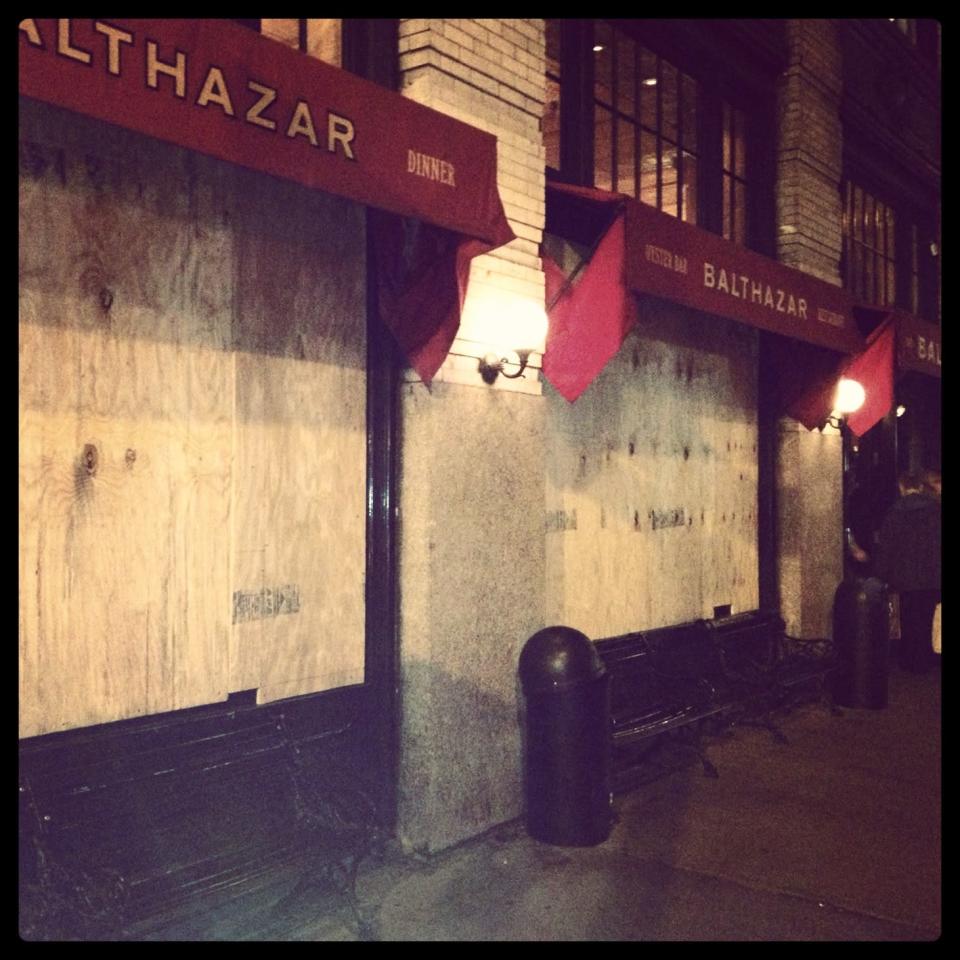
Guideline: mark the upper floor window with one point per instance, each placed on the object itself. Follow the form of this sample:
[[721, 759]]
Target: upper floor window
[[318, 38], [656, 130], [734, 174], [869, 247], [645, 125], [890, 257]]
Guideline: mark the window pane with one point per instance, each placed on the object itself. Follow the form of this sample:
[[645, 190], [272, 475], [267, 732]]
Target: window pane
[[856, 270], [603, 149], [891, 235], [324, 40], [668, 187], [648, 168], [626, 74], [739, 213], [739, 144], [914, 271], [626, 176], [727, 138], [603, 63], [286, 31], [648, 89], [551, 105], [668, 101], [688, 91], [845, 220], [727, 208], [869, 282], [689, 199], [858, 214], [869, 229]]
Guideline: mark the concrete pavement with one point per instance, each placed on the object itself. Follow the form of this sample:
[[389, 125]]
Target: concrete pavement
[[834, 836]]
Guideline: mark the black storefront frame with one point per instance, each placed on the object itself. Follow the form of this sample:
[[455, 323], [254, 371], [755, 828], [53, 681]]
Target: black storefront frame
[[370, 49], [360, 722]]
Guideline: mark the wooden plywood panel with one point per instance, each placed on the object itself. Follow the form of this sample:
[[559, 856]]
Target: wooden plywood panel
[[192, 429], [300, 444], [126, 396], [652, 481]]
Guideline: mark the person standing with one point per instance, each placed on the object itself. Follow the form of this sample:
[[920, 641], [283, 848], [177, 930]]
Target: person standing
[[909, 562], [931, 483], [864, 512]]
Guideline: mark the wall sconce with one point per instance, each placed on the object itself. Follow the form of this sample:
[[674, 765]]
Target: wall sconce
[[491, 366], [848, 399], [524, 322]]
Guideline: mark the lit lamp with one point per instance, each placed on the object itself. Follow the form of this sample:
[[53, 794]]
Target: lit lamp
[[848, 399], [521, 324]]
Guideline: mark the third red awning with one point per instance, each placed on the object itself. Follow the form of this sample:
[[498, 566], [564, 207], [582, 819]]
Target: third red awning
[[897, 342]]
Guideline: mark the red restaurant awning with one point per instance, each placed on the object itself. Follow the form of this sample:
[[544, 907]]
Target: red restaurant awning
[[897, 343], [917, 341], [225, 91], [676, 261]]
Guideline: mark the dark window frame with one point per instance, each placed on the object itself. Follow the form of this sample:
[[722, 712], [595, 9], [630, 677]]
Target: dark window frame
[[755, 100], [916, 266]]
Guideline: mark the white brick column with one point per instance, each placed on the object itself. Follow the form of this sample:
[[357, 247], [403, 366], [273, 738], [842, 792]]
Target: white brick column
[[810, 465], [472, 556], [490, 74]]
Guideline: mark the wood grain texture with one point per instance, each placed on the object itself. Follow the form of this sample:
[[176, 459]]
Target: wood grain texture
[[652, 480], [176, 374], [300, 438]]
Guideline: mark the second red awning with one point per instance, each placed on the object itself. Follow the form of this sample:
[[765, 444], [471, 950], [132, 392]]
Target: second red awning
[[673, 260]]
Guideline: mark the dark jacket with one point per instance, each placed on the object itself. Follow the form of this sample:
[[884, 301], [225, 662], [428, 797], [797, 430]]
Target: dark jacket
[[910, 544]]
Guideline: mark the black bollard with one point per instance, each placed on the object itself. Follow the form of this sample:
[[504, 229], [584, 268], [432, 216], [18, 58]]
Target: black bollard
[[566, 739], [861, 638]]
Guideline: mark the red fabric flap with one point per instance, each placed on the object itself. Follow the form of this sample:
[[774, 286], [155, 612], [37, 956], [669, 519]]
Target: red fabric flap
[[589, 317], [422, 277], [873, 370]]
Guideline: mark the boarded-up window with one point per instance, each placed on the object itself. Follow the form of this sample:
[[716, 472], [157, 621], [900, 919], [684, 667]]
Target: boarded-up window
[[651, 508], [192, 429]]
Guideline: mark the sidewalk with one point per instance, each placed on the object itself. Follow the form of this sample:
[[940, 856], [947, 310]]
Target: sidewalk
[[834, 836]]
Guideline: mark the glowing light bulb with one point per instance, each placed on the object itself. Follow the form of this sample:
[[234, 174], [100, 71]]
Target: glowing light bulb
[[850, 396]]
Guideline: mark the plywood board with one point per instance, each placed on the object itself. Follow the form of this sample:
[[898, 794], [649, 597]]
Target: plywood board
[[300, 442], [192, 430], [651, 514], [126, 397]]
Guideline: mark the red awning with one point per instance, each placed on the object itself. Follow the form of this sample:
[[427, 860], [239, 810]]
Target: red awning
[[897, 342], [917, 341], [673, 260], [225, 91]]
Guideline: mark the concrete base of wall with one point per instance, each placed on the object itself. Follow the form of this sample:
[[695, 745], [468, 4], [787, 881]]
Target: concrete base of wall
[[809, 492], [472, 585]]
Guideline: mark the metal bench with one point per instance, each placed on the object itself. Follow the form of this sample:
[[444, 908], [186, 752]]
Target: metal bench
[[672, 686], [138, 825]]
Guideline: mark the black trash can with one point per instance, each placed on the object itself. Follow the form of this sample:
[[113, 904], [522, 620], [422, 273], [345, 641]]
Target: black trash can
[[566, 739], [861, 636]]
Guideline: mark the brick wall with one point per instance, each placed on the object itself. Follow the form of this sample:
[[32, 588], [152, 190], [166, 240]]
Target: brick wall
[[809, 464], [810, 152], [472, 466], [490, 74]]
